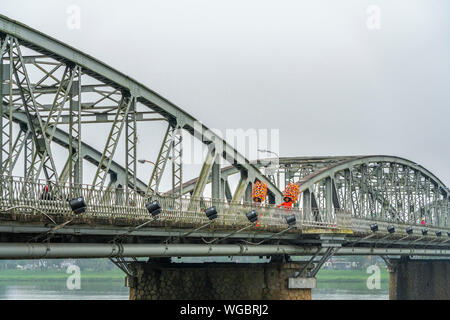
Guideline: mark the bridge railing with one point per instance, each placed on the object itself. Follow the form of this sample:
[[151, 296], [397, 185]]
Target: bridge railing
[[363, 226], [32, 197], [234, 214]]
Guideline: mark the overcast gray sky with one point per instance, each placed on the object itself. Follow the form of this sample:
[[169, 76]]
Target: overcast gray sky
[[313, 69]]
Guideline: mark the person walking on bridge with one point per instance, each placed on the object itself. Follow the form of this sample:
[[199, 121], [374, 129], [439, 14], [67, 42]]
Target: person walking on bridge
[[287, 204], [423, 222], [291, 193]]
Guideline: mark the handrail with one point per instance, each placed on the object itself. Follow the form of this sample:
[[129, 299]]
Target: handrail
[[29, 196]]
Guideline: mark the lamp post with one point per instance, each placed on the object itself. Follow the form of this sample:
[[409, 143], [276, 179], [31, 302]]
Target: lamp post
[[278, 167], [144, 161], [268, 151]]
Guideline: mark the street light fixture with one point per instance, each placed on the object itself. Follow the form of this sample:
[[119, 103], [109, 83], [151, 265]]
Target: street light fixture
[[211, 213], [78, 205], [291, 220], [252, 216], [278, 157], [144, 161], [154, 208], [268, 151]]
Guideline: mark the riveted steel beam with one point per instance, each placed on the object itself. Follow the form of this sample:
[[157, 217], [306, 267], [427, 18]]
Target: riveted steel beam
[[204, 173], [112, 141], [240, 188], [100, 71], [30, 105], [177, 162], [19, 143], [131, 147], [75, 159], [161, 161], [61, 138], [216, 184], [45, 158]]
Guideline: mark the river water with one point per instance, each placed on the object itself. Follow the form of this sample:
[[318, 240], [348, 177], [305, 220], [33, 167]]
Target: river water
[[115, 290]]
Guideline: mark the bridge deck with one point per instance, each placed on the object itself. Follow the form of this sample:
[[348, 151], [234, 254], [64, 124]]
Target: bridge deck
[[27, 210], [29, 204]]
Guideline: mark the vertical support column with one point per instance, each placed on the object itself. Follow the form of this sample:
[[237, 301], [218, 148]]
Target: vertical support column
[[119, 194], [204, 173], [241, 187], [315, 209], [199, 187], [161, 161], [110, 191], [446, 210], [328, 198], [361, 187], [215, 180], [429, 203], [379, 186], [278, 178], [112, 141], [6, 137], [130, 145], [336, 202], [287, 176], [1, 101], [2, 169], [436, 210], [306, 205], [75, 152], [28, 152], [248, 192], [222, 188], [227, 190], [177, 162]]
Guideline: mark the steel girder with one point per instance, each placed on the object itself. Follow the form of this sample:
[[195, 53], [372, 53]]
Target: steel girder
[[161, 161], [88, 153], [108, 76], [38, 128], [380, 188], [371, 187], [297, 166], [387, 188], [75, 160], [112, 141]]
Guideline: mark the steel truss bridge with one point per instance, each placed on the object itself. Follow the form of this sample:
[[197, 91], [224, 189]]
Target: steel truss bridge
[[50, 92]]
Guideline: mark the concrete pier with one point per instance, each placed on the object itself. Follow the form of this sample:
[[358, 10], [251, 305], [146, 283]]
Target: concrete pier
[[419, 280], [218, 281]]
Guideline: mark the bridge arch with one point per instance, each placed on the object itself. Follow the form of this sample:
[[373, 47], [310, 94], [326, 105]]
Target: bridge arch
[[22, 103], [382, 187], [378, 188], [341, 183]]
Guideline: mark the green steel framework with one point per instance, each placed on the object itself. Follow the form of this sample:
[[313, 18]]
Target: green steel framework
[[46, 85], [115, 94]]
